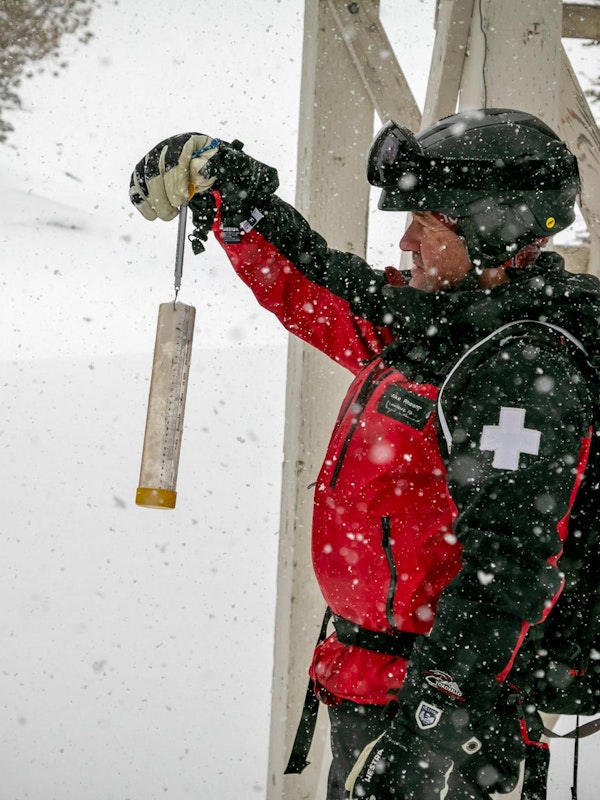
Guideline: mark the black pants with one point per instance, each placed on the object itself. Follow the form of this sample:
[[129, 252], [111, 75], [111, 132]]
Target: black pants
[[353, 726]]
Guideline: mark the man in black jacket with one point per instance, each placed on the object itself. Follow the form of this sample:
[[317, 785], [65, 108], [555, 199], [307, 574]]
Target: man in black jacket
[[437, 530]]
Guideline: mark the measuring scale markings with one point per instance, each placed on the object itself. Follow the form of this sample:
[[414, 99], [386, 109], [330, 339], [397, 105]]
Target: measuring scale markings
[[176, 397], [166, 406]]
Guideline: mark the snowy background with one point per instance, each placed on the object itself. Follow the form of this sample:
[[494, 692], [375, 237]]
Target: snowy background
[[137, 645]]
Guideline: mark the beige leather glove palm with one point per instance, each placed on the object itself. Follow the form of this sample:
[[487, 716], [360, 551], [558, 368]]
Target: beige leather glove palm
[[171, 173]]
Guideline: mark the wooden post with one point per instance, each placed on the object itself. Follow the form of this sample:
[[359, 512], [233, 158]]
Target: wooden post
[[578, 128], [336, 127], [374, 60], [514, 57]]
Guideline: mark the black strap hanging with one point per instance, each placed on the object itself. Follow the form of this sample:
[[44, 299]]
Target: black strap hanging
[[298, 759], [575, 761]]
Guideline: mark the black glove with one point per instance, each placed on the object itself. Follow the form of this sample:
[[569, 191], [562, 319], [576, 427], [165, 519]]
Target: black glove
[[242, 182], [451, 729], [401, 766]]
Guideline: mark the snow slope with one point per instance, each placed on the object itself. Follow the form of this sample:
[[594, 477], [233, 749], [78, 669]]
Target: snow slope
[[136, 644]]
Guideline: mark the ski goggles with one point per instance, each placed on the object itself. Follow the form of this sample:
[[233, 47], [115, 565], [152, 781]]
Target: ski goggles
[[410, 178], [394, 150]]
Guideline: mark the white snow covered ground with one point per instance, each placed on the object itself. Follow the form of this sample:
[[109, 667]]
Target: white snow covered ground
[[137, 645]]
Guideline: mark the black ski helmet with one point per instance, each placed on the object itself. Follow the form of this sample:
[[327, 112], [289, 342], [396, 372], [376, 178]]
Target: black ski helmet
[[504, 175]]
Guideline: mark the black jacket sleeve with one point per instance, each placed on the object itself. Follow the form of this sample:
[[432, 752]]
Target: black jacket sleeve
[[520, 438]]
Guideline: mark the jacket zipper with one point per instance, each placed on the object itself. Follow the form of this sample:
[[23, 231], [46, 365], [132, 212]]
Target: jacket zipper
[[366, 390], [387, 549]]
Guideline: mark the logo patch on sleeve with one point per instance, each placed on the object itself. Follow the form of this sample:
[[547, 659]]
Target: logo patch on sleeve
[[444, 682], [404, 406], [509, 438], [427, 715]]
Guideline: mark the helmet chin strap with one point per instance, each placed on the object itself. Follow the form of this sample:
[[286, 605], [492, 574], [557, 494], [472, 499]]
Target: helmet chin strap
[[467, 230], [523, 258]]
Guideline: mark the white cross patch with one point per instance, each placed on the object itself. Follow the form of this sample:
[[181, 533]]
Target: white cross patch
[[509, 438]]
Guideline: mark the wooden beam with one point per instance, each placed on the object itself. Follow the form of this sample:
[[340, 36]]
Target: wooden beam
[[576, 256], [580, 21], [453, 22], [373, 57], [577, 126]]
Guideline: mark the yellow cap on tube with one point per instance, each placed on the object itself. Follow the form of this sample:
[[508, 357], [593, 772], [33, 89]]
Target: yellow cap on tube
[[155, 498]]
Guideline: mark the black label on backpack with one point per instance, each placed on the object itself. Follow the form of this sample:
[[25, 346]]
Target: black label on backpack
[[404, 406]]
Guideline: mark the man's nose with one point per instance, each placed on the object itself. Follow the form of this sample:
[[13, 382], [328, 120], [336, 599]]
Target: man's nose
[[410, 242]]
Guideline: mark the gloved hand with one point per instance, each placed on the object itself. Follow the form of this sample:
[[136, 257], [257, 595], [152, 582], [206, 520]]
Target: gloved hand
[[456, 729], [170, 173], [401, 766], [195, 163], [243, 183]]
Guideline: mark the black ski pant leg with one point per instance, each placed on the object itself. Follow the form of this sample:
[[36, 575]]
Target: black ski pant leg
[[353, 727]]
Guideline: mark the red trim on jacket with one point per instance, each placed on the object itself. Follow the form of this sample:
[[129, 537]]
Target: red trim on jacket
[[563, 530]]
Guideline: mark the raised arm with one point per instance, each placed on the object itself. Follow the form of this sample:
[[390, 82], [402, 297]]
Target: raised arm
[[329, 298]]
